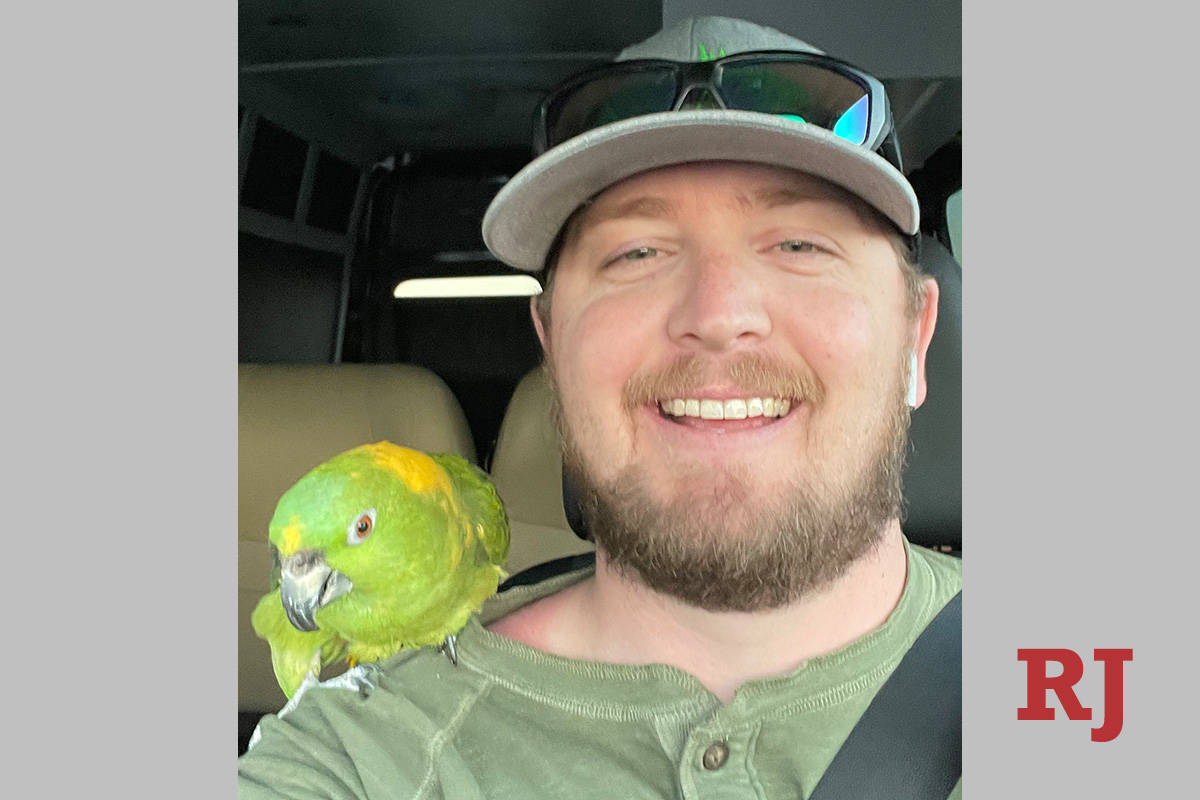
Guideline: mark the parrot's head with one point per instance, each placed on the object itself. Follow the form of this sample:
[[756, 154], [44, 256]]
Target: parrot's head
[[373, 525]]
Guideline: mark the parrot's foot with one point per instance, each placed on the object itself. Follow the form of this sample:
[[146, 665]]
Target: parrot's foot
[[359, 678], [449, 647]]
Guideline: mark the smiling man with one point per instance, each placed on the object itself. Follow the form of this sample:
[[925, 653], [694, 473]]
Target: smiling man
[[730, 344], [757, 328], [736, 333]]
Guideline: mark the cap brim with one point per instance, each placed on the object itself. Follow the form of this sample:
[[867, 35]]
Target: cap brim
[[528, 211]]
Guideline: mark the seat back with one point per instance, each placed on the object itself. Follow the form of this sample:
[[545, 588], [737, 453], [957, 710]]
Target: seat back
[[292, 417], [933, 476], [527, 470]]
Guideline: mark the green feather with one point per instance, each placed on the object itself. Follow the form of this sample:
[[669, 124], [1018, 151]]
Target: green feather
[[294, 653], [480, 503]]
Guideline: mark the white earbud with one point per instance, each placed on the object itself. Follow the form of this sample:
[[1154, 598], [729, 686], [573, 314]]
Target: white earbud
[[912, 380]]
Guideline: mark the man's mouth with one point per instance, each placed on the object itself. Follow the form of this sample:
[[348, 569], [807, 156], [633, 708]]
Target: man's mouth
[[678, 409]]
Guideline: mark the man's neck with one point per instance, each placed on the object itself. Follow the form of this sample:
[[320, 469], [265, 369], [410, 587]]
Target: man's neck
[[614, 619]]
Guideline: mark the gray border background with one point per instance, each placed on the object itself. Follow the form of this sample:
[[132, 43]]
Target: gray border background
[[1079, 402], [119, 324], [120, 417]]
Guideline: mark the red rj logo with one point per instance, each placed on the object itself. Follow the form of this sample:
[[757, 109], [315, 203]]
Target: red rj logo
[[1038, 683]]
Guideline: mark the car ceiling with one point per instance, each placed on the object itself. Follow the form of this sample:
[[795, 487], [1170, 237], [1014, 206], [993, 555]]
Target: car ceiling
[[379, 77]]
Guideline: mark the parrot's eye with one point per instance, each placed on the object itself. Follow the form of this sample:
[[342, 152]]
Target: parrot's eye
[[361, 527]]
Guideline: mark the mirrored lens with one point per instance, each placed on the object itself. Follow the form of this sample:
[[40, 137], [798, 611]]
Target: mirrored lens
[[852, 124], [816, 95], [608, 99]]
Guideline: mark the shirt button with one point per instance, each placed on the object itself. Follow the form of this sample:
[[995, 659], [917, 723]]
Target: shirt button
[[715, 755]]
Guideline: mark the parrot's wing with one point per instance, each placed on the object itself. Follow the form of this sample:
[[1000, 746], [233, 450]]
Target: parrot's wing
[[294, 653], [481, 504]]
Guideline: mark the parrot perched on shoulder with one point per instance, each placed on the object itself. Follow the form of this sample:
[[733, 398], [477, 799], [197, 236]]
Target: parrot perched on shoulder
[[379, 548]]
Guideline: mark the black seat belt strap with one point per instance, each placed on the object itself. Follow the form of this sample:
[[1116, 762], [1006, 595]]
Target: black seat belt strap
[[908, 743]]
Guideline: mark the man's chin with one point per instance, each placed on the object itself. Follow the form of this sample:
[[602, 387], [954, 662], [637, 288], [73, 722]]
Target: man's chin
[[710, 547], [736, 540], [722, 492]]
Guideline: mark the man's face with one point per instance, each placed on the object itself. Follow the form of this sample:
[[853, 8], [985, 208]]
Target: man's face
[[742, 291]]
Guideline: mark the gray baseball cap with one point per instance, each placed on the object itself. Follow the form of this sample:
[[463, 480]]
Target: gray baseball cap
[[525, 216]]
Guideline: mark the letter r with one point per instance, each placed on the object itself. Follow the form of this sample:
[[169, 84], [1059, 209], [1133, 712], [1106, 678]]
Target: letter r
[[1038, 683]]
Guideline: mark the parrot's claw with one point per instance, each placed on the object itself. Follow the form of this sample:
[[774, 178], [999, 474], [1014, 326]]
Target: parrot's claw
[[449, 647], [366, 678], [360, 678]]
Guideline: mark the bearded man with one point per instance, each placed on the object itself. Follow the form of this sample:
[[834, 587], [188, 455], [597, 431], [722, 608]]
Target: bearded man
[[736, 332]]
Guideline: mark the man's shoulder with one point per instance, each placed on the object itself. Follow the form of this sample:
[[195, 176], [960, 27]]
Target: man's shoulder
[[389, 729], [408, 687], [413, 699], [944, 569]]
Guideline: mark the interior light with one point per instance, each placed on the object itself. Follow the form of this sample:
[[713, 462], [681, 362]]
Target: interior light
[[471, 286]]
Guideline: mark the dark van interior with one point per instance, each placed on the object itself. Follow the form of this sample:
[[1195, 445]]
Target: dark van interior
[[373, 135]]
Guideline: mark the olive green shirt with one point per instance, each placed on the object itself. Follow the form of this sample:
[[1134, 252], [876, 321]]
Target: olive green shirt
[[511, 721]]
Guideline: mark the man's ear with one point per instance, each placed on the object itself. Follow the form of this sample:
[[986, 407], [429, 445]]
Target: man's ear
[[537, 323], [926, 322]]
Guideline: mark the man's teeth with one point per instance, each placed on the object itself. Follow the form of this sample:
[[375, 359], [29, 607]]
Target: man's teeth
[[736, 408]]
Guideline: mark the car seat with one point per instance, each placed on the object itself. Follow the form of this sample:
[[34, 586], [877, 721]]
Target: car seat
[[933, 475], [527, 470]]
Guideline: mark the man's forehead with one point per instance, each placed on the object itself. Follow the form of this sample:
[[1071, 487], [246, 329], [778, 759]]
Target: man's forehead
[[655, 193]]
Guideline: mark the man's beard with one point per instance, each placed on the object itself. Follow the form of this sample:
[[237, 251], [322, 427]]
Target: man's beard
[[721, 549]]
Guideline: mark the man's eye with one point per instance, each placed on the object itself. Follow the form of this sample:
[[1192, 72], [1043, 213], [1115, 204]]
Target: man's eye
[[639, 253], [798, 246], [635, 263]]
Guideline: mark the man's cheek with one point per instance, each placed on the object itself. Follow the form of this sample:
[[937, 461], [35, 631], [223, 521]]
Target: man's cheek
[[843, 327], [843, 348], [601, 363]]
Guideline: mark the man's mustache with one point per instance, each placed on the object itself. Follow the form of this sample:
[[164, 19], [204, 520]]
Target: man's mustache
[[755, 375]]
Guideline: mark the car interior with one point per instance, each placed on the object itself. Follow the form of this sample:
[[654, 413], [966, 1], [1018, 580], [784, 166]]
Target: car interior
[[372, 137]]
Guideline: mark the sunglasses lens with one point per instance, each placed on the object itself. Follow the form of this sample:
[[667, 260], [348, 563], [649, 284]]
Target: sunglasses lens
[[813, 94], [852, 125], [614, 97]]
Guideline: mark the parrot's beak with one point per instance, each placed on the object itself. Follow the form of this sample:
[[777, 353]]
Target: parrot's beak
[[306, 584]]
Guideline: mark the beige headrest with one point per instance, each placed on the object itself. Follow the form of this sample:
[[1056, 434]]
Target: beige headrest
[[527, 471], [292, 417]]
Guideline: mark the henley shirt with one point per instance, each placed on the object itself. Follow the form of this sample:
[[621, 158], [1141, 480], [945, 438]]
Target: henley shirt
[[511, 721]]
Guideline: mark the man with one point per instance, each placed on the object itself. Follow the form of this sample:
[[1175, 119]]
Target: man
[[736, 336]]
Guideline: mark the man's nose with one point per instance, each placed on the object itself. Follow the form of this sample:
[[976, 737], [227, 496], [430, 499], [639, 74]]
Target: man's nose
[[721, 305]]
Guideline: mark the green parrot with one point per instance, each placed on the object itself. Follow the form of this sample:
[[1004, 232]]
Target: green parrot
[[379, 548]]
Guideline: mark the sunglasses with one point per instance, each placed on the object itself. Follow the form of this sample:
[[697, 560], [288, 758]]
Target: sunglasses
[[805, 87]]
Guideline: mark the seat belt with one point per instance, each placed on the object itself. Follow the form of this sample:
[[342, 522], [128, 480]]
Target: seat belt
[[908, 743]]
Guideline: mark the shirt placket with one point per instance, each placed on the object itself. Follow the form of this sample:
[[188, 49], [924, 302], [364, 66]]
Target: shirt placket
[[717, 764]]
